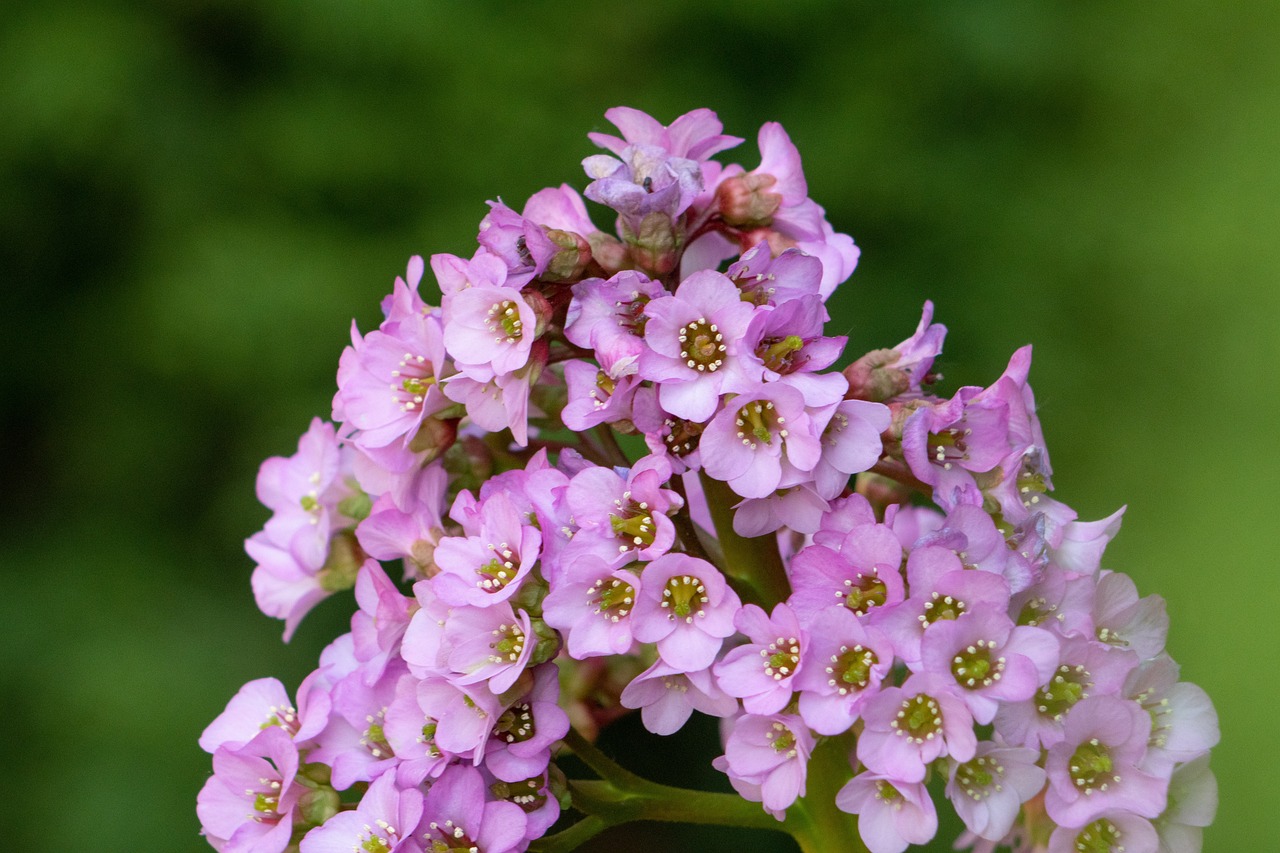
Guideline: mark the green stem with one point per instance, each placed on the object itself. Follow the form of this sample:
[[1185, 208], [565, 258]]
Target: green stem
[[608, 769], [651, 801], [690, 534], [609, 441], [754, 562], [815, 822], [566, 840]]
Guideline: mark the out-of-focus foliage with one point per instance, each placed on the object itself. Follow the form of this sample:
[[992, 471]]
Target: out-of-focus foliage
[[197, 196]]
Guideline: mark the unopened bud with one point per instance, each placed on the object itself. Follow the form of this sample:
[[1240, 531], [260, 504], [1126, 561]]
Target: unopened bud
[[571, 261], [745, 200], [548, 645], [434, 437], [654, 247], [882, 491], [542, 309], [873, 377], [315, 773], [318, 805], [344, 561], [777, 242], [609, 252]]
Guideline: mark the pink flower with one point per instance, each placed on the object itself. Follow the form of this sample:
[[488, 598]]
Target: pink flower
[[989, 789], [745, 443], [384, 820], [591, 604], [249, 801], [696, 134], [892, 814], [1094, 769], [761, 673], [490, 567], [772, 753], [685, 607], [667, 697], [488, 330], [909, 726], [694, 339], [458, 814]]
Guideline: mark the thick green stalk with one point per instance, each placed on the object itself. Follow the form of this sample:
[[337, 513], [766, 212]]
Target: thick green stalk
[[754, 563], [652, 801], [815, 822]]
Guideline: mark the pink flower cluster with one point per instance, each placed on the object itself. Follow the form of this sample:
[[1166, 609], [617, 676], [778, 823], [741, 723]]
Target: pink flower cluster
[[556, 576]]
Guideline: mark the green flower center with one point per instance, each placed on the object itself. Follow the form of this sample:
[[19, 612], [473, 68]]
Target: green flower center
[[782, 740], [979, 777], [450, 837], [284, 716], [1101, 836], [781, 658], [948, 447], [973, 667], [411, 380], [516, 724], [265, 804], [528, 794], [759, 422], [941, 607], [508, 644], [505, 315], [1091, 767], [682, 436], [1031, 485], [376, 844], [919, 719], [632, 523], [1036, 611], [499, 571], [684, 596], [1068, 686], [887, 793], [374, 739], [863, 592], [778, 353], [612, 600], [702, 346], [851, 668]]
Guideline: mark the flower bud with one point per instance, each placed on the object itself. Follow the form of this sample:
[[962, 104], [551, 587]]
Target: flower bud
[[873, 377], [318, 805], [571, 261], [654, 248], [882, 491], [344, 560], [609, 252], [745, 200], [434, 436], [548, 645], [542, 309]]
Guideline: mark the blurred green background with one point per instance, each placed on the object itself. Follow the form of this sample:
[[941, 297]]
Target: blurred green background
[[197, 196]]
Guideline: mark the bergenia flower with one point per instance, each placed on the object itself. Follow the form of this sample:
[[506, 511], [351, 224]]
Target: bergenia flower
[[921, 608], [685, 607]]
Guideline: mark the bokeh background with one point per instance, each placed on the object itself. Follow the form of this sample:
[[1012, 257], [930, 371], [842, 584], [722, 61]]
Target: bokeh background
[[197, 197]]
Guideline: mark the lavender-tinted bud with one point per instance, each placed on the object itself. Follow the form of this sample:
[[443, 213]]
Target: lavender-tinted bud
[[571, 261], [745, 200], [873, 377]]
